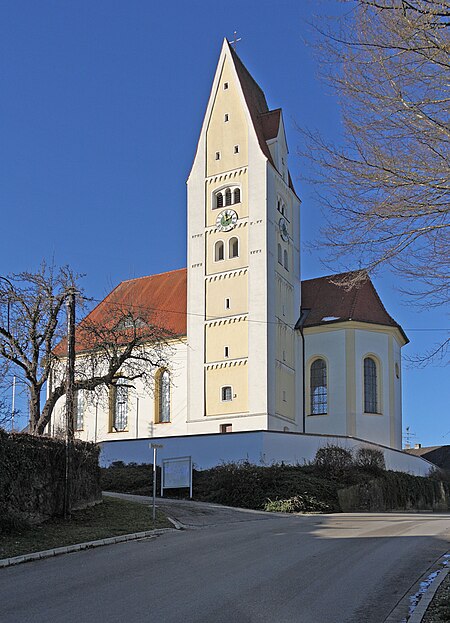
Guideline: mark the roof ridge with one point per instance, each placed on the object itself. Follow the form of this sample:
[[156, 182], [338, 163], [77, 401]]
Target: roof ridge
[[167, 272], [348, 272]]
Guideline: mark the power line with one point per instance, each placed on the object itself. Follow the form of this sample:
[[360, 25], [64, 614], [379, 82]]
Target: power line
[[186, 313]]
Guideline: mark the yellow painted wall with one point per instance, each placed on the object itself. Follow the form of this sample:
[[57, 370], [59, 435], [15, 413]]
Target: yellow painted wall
[[232, 179], [227, 263], [223, 136], [231, 334], [233, 287], [237, 377], [285, 392]]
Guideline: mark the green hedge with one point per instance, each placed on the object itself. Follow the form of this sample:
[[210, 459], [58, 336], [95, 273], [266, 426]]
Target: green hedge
[[32, 473], [396, 491]]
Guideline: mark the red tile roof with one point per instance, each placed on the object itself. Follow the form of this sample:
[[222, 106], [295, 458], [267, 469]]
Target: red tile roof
[[331, 300], [163, 295]]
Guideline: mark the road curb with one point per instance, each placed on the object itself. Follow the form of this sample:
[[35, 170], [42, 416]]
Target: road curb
[[422, 607], [57, 551]]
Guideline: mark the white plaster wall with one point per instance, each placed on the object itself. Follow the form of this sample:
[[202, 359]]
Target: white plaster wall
[[259, 447], [368, 426], [141, 408], [331, 346]]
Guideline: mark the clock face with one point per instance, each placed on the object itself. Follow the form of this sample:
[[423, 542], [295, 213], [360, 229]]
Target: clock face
[[283, 229], [226, 220]]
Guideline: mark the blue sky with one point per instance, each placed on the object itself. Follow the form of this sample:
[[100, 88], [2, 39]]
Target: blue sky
[[101, 104]]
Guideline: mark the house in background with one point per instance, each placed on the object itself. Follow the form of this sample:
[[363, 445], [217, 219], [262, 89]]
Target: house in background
[[256, 348]]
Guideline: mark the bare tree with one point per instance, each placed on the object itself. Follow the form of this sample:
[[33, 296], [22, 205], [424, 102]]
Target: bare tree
[[386, 181], [129, 344]]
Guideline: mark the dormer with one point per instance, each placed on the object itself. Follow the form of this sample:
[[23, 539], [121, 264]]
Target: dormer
[[274, 133]]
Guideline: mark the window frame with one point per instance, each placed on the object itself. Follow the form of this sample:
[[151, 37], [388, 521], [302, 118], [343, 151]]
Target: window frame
[[79, 410], [230, 241], [159, 375], [311, 398], [217, 242], [113, 404], [224, 387], [378, 393]]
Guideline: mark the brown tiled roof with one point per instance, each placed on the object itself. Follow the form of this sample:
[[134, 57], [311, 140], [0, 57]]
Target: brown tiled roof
[[271, 123], [163, 296], [439, 455], [266, 122], [330, 300]]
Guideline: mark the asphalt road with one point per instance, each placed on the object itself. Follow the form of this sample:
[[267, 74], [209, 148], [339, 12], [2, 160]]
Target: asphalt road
[[235, 567]]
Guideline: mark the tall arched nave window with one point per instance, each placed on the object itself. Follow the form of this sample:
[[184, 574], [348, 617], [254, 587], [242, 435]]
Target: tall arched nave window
[[370, 386], [318, 387], [162, 396], [119, 406]]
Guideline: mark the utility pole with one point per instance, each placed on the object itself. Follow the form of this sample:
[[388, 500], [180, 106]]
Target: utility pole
[[13, 404], [70, 397]]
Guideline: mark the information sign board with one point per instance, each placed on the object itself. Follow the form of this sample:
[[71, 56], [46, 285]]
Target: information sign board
[[176, 473]]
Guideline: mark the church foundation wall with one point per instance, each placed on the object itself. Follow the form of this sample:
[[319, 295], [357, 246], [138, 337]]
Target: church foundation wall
[[258, 447]]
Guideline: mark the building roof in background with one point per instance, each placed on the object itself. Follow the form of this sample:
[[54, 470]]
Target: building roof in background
[[331, 300], [439, 455]]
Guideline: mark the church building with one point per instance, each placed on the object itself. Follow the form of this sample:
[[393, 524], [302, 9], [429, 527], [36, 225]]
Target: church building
[[255, 348]]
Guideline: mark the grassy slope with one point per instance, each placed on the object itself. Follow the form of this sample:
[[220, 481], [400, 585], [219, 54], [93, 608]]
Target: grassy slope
[[111, 518]]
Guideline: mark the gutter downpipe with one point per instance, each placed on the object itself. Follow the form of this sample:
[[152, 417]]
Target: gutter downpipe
[[299, 326]]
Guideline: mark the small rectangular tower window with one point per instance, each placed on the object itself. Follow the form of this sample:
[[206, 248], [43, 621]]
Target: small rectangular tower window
[[226, 428], [217, 155], [227, 394], [225, 86], [227, 304], [236, 149], [284, 395], [226, 351], [226, 117]]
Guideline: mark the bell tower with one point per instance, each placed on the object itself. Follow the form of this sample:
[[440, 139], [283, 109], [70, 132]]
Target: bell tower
[[243, 263]]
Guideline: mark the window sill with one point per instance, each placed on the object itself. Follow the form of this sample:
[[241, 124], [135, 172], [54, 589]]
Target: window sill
[[316, 414], [371, 413], [163, 422]]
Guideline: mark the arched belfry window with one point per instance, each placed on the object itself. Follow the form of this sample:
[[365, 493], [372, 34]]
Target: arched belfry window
[[233, 250], [162, 396], [286, 262], [280, 254], [226, 197], [318, 387], [219, 251], [370, 386]]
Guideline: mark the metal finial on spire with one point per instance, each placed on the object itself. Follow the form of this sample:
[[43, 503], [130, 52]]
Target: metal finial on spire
[[235, 40]]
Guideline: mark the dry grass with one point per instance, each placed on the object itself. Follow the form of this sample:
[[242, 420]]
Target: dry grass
[[110, 518]]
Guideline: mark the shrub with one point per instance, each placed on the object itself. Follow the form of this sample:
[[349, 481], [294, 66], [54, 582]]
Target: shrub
[[370, 459], [333, 461], [303, 503], [250, 486]]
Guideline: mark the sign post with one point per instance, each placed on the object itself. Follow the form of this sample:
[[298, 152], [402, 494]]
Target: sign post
[[155, 447]]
